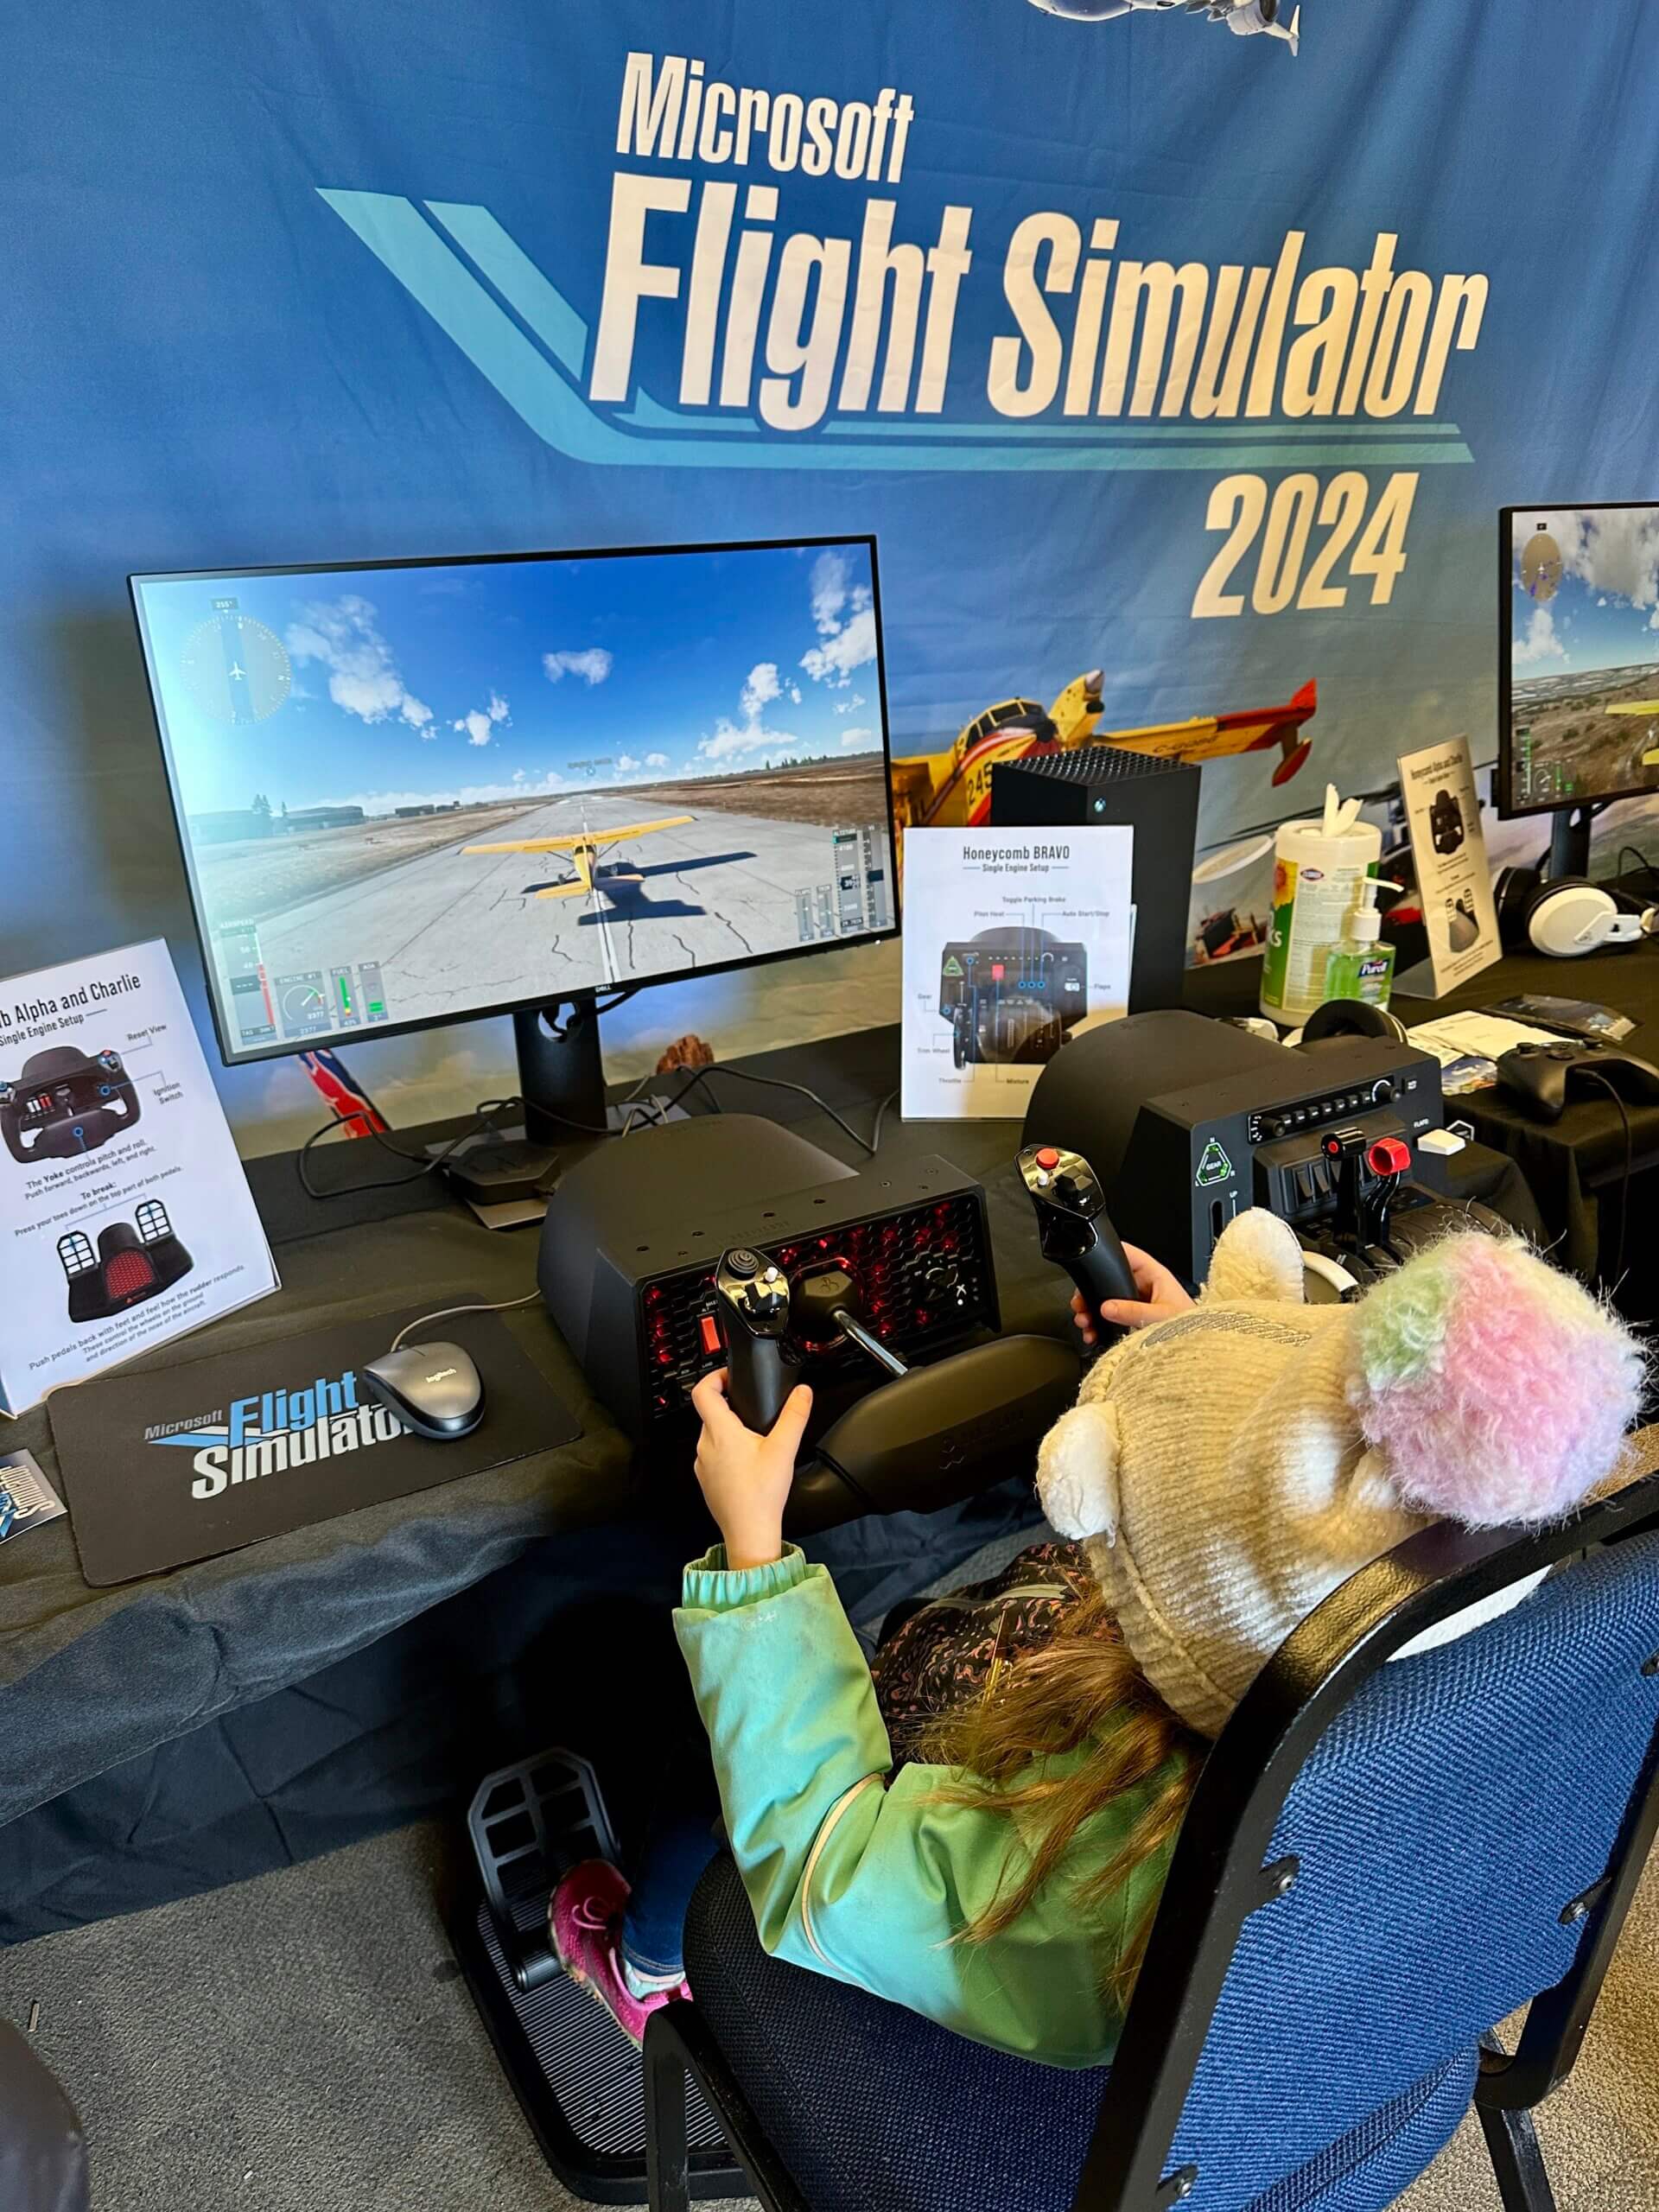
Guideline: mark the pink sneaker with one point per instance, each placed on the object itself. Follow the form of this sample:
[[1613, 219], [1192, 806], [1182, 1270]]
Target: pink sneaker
[[584, 1917]]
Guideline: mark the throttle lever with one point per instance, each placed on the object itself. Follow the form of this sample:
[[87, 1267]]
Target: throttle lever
[[1074, 1229]]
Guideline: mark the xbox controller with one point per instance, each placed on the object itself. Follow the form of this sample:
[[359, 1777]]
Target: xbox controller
[[751, 1310], [66, 1102], [1073, 1226], [1541, 1078]]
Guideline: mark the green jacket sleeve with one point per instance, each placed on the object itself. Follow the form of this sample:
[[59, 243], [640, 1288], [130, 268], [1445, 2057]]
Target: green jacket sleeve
[[867, 1879]]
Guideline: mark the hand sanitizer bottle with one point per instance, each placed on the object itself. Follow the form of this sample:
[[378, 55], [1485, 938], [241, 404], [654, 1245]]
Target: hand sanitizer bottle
[[1360, 965]]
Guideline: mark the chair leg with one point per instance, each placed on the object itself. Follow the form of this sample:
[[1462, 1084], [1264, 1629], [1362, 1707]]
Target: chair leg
[[668, 2174], [1512, 2142]]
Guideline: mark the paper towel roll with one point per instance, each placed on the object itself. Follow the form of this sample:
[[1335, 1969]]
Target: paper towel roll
[[1318, 868]]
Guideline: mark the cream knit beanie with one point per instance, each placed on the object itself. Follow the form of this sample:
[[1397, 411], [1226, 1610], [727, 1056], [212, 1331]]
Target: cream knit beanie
[[1229, 1468]]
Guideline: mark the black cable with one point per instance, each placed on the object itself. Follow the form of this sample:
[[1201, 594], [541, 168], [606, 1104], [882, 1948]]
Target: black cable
[[486, 1113], [1647, 866], [1611, 1089], [484, 1117], [881, 1116], [774, 1083]]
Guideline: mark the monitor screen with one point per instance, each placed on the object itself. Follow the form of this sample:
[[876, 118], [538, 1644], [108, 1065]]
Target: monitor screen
[[416, 791], [1579, 684]]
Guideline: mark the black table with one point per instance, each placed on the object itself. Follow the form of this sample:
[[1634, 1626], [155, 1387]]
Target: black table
[[201, 1724], [1575, 1167], [198, 1727]]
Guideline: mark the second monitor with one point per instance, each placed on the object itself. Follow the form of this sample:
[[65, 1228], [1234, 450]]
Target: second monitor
[[1579, 655]]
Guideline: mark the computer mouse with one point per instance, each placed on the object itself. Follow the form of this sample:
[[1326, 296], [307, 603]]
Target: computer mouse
[[433, 1389]]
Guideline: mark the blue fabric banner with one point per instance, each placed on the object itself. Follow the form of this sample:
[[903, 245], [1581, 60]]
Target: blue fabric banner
[[1142, 348]]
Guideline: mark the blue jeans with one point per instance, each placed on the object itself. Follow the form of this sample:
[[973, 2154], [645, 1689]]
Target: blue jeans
[[682, 1836]]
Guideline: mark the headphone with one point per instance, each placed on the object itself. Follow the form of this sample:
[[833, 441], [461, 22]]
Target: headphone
[[1567, 916], [1350, 1018]]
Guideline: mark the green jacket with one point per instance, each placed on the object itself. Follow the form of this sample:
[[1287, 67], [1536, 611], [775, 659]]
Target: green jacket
[[867, 1879]]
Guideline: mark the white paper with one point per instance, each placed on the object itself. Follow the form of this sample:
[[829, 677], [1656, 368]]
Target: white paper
[[154, 1176], [1015, 941], [1454, 883], [1457, 1037]]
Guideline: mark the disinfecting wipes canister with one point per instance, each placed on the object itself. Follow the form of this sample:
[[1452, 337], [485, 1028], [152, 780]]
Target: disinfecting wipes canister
[[1317, 871]]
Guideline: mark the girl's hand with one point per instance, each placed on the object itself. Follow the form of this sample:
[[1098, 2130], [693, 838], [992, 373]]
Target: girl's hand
[[745, 1478], [1161, 1298]]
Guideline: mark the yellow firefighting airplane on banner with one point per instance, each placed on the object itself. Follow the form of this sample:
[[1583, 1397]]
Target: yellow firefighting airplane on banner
[[584, 849], [952, 789]]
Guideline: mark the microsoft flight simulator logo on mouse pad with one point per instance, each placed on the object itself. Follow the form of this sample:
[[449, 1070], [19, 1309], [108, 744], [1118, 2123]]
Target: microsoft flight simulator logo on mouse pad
[[278, 1431], [182, 1463]]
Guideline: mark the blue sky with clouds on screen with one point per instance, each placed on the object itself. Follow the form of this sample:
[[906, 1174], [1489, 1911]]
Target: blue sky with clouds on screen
[[502, 680], [1604, 612]]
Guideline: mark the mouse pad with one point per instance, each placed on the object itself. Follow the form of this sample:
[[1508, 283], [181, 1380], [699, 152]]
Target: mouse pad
[[181, 1463]]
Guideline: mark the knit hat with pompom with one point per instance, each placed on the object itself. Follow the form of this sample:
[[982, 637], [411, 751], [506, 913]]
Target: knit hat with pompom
[[1229, 1468]]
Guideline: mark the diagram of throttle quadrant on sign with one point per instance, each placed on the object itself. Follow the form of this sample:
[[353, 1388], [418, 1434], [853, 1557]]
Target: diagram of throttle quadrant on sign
[[1014, 941]]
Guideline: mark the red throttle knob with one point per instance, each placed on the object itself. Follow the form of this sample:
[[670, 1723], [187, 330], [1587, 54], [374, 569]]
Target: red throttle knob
[[1389, 1156]]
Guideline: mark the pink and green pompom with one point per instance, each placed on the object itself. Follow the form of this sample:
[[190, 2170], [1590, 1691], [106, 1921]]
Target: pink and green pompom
[[1497, 1387]]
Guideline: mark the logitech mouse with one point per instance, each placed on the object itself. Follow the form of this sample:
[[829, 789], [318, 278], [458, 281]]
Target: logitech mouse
[[433, 1389]]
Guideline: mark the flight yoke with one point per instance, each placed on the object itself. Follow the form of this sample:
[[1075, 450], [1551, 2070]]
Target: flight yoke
[[67, 1101], [771, 1225], [1011, 994], [1186, 1121]]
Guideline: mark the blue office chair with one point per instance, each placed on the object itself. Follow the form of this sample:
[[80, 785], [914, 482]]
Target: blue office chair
[[1379, 1863]]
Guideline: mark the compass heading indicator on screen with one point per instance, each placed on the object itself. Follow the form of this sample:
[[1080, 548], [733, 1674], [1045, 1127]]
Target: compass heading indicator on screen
[[236, 668]]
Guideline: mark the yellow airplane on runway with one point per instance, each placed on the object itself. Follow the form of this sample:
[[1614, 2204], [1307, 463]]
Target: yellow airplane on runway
[[584, 849], [1648, 706]]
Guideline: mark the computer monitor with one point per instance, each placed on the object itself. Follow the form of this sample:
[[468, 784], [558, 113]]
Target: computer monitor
[[1579, 656], [414, 791]]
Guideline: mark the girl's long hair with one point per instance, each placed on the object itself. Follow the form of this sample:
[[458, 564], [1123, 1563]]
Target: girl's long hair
[[1083, 1689]]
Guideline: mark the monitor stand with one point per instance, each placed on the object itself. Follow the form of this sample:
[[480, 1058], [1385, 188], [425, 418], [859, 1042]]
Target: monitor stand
[[507, 1175], [1569, 843]]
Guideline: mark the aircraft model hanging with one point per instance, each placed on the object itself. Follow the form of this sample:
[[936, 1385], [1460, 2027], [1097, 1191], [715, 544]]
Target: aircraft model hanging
[[1244, 17]]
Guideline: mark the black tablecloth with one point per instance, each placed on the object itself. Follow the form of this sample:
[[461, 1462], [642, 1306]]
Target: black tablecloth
[[198, 1727]]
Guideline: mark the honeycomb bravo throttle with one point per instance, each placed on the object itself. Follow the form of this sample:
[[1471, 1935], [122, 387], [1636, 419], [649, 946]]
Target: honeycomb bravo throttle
[[1073, 1226], [752, 1306]]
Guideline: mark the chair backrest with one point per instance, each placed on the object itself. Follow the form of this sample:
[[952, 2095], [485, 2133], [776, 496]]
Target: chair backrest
[[1383, 1861]]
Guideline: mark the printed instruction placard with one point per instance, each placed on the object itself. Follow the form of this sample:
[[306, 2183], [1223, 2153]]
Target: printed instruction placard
[[1015, 941], [126, 1218], [1454, 881]]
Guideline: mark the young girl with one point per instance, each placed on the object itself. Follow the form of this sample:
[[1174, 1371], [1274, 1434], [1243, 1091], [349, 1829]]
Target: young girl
[[979, 1827]]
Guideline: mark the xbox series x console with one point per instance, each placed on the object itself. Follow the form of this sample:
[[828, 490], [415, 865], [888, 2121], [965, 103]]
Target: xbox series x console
[[1159, 800]]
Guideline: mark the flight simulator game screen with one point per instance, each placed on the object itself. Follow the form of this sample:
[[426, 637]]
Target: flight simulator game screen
[[410, 793], [1583, 655]]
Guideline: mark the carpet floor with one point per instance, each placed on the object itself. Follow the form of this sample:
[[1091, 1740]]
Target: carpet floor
[[303, 2043]]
